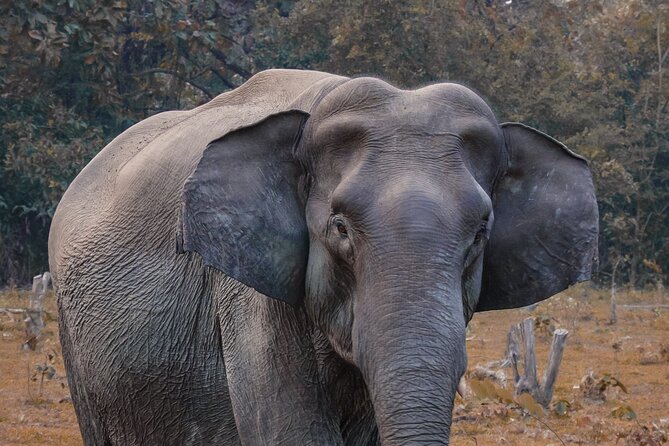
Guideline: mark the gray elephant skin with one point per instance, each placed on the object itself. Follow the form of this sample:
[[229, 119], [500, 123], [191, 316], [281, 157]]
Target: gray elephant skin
[[296, 261]]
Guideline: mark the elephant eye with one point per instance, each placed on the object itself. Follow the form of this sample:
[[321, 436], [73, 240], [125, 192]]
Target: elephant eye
[[336, 222], [341, 228], [482, 232]]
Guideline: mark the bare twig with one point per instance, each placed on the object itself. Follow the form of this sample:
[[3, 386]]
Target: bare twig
[[647, 306], [546, 426], [180, 77], [228, 83], [220, 55], [14, 310]]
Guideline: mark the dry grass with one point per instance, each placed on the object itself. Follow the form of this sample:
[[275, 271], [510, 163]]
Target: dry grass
[[30, 415], [632, 351], [635, 351]]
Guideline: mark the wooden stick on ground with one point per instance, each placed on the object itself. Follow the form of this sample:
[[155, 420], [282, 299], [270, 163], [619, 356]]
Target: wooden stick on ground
[[13, 310], [642, 306]]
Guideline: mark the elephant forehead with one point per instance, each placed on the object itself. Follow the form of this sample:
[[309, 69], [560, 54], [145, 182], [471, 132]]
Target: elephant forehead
[[439, 128], [367, 95], [400, 142], [401, 116]]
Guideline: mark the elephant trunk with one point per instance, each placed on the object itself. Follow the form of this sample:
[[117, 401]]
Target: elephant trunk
[[412, 356]]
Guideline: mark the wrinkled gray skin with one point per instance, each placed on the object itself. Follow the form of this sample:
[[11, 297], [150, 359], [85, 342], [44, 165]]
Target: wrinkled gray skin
[[295, 262]]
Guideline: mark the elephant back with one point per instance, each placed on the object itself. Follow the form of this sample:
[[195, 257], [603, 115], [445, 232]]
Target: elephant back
[[128, 196]]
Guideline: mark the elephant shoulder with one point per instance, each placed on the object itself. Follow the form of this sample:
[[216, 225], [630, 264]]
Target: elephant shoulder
[[88, 194], [168, 145], [140, 174], [165, 161]]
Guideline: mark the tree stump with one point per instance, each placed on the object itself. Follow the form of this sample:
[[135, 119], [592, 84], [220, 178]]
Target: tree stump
[[613, 318], [521, 347], [35, 313]]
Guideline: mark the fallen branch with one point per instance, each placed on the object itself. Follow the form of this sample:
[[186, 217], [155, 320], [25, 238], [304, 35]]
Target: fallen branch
[[14, 310], [648, 306]]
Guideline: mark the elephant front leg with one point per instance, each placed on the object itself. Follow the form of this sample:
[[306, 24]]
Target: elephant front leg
[[271, 370]]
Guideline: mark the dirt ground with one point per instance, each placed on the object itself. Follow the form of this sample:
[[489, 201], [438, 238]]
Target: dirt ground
[[625, 403]]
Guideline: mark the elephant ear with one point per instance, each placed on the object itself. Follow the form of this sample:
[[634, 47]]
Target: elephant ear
[[544, 236], [241, 209]]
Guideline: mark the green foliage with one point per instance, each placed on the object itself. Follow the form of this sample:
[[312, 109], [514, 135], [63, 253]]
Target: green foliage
[[561, 408], [624, 412], [42, 151], [595, 387], [75, 73], [487, 390]]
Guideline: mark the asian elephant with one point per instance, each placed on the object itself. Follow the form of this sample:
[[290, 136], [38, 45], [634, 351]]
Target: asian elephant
[[295, 262]]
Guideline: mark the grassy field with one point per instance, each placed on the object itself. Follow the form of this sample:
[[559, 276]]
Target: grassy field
[[35, 408]]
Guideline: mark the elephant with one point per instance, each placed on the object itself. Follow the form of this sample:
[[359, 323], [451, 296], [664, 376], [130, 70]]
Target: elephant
[[296, 261]]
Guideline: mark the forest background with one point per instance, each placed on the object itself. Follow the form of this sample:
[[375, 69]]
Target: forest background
[[76, 73]]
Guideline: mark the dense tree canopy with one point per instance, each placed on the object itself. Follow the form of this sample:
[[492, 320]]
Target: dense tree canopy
[[74, 73]]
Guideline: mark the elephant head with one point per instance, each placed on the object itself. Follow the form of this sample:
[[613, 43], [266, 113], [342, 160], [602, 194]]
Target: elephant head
[[392, 216]]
